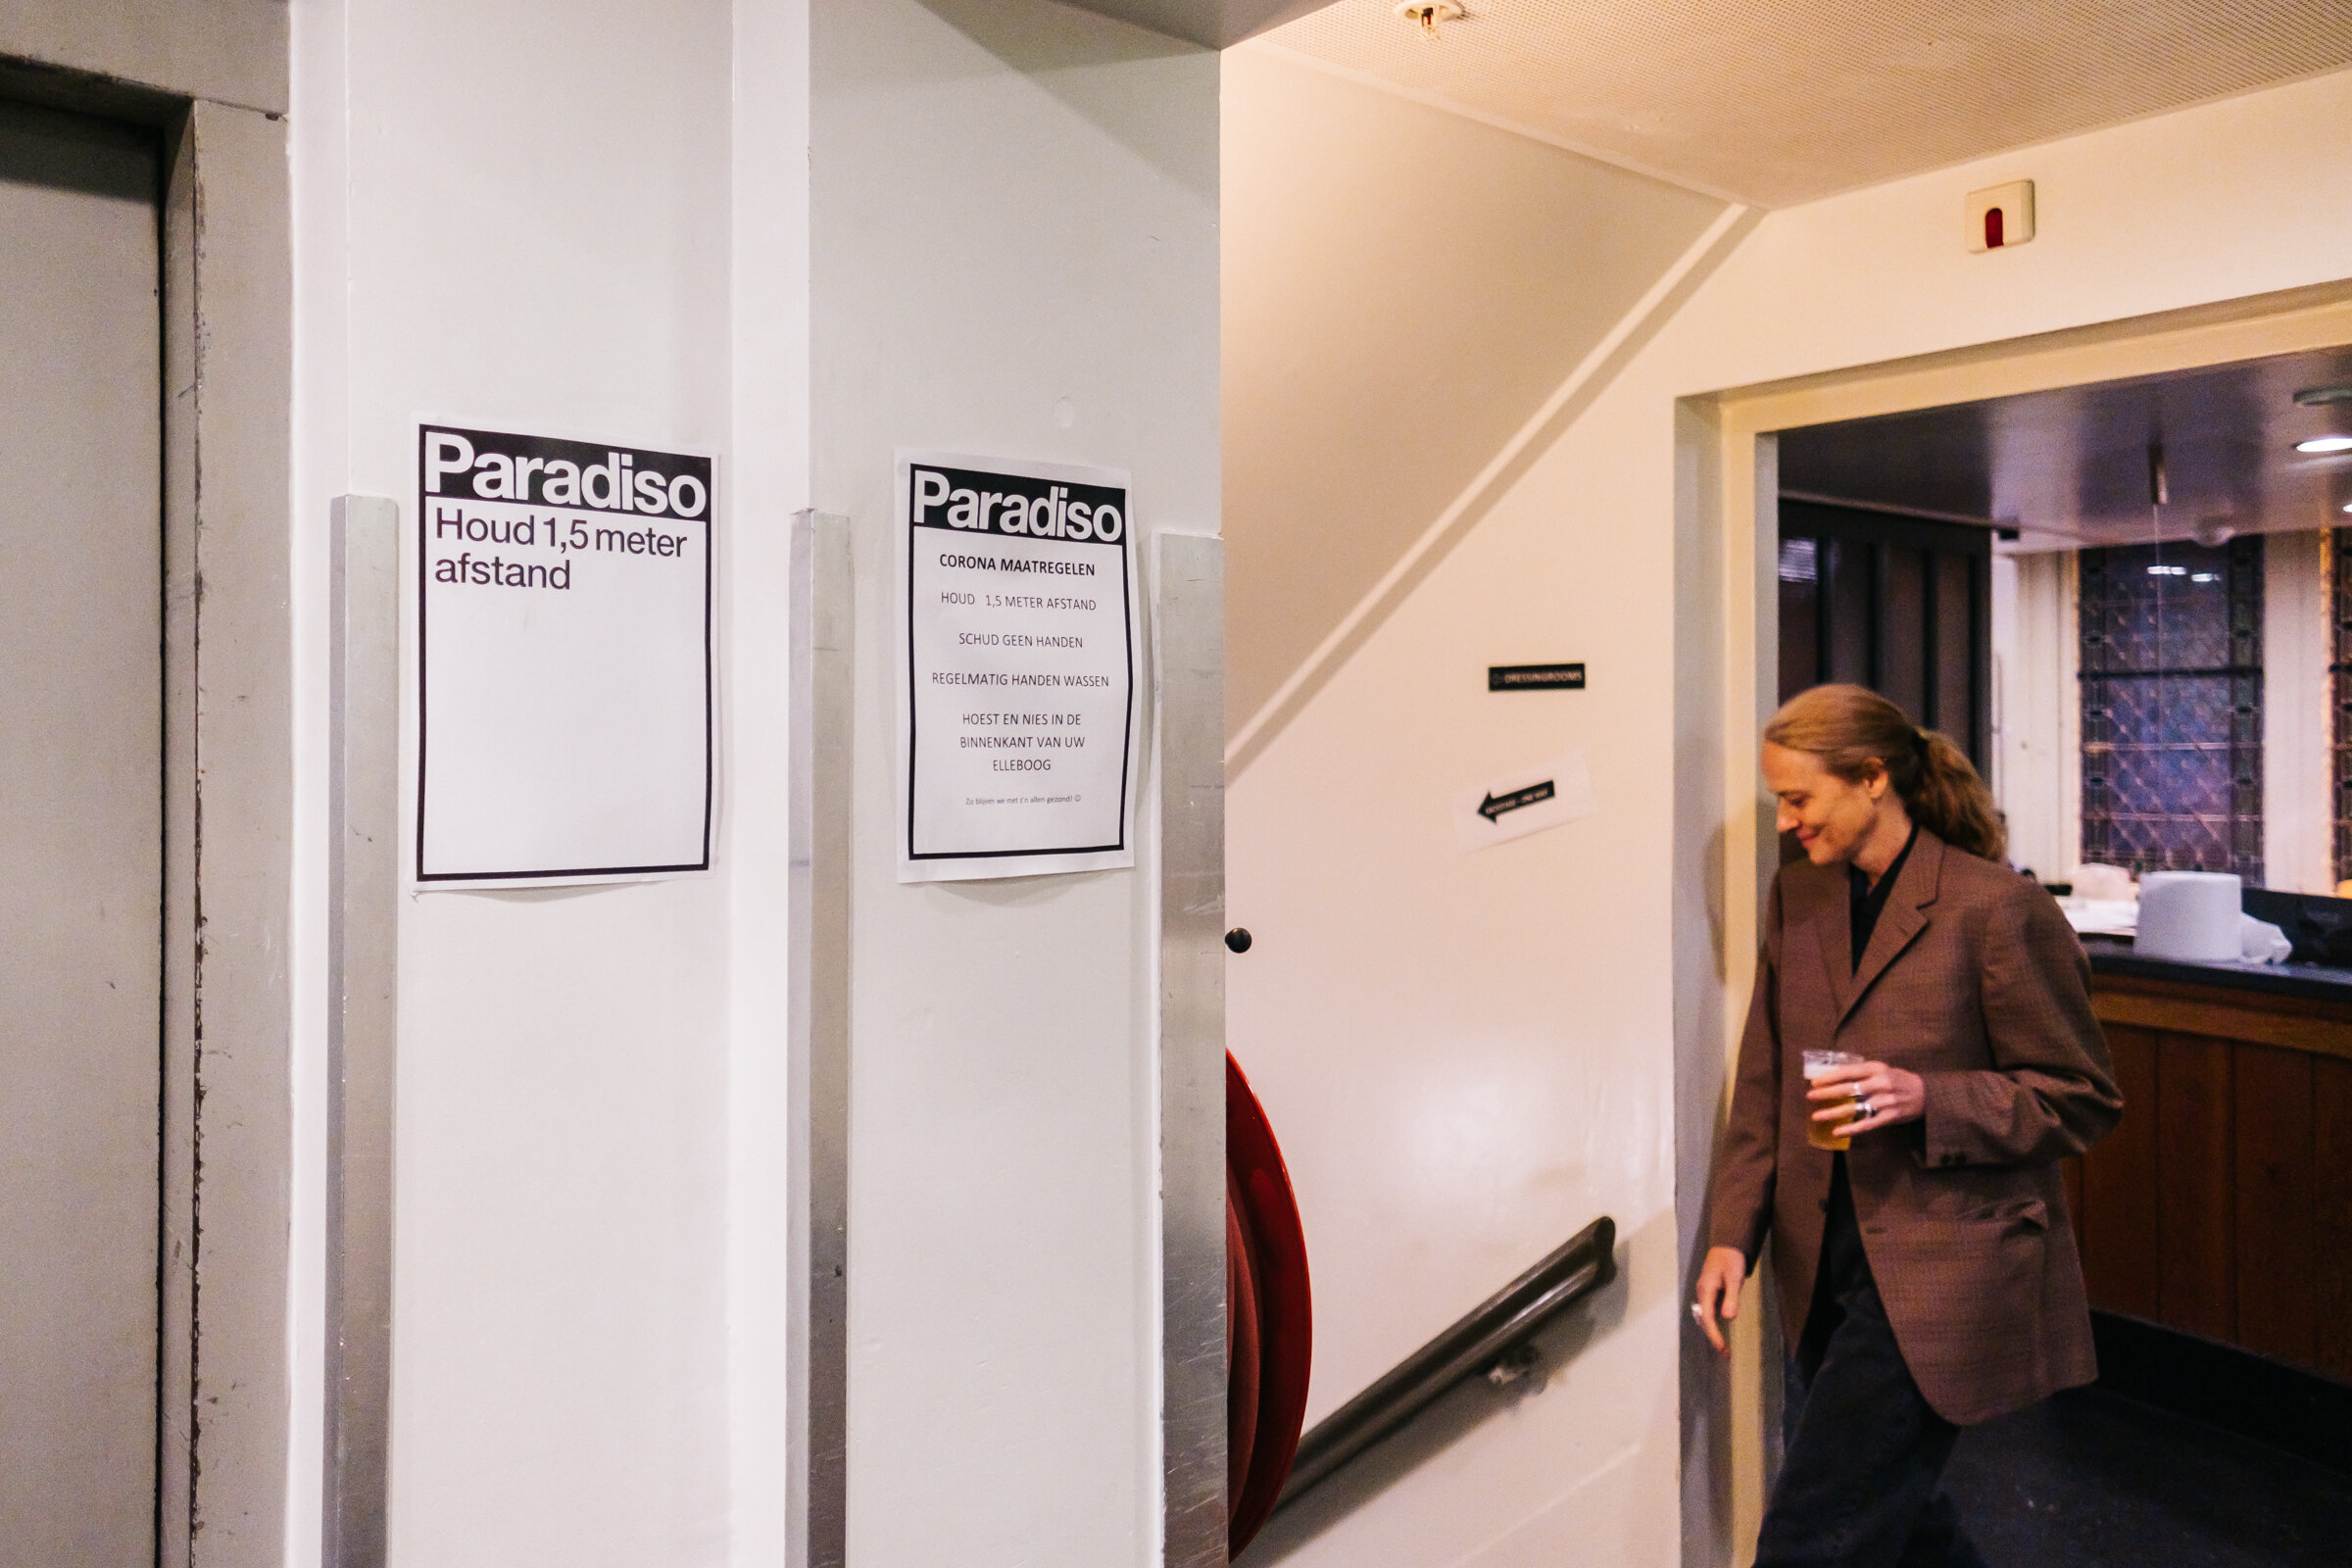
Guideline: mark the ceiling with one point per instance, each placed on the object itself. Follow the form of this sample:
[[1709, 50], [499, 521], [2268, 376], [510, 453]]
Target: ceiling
[[1777, 102], [1218, 23], [2071, 468]]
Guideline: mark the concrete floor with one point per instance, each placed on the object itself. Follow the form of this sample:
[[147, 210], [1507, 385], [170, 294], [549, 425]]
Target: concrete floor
[[2093, 1480]]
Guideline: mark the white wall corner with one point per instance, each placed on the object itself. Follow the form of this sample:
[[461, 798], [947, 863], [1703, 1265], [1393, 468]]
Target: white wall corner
[[2298, 828], [1550, 420]]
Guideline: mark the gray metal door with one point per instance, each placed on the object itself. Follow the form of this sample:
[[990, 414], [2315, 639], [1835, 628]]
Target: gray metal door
[[81, 841]]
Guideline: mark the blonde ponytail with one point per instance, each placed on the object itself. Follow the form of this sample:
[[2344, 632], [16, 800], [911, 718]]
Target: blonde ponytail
[[1850, 728]]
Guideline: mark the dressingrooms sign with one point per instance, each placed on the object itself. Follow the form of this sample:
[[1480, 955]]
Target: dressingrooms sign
[[563, 660], [1018, 705]]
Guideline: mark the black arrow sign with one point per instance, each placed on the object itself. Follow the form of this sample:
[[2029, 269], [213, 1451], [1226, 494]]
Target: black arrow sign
[[1494, 806]]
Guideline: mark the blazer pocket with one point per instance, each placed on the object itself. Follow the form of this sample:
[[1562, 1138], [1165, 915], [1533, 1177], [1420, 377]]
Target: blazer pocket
[[1983, 1269], [2029, 1215]]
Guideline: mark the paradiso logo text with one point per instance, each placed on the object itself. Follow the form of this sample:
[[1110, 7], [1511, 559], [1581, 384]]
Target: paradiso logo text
[[563, 473], [1015, 504]]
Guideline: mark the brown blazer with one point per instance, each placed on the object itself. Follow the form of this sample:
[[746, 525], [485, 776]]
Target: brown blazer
[[1973, 980]]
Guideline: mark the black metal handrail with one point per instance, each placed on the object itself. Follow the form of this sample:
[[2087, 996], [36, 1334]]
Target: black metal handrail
[[1484, 1342]]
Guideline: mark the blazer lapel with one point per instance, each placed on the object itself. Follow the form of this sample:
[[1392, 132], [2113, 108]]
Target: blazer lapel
[[1831, 924], [1903, 918]]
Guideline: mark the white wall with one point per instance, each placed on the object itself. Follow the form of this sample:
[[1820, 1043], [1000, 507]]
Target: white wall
[[1468, 1057], [2037, 739], [2298, 714], [768, 478], [1403, 287], [518, 213], [1015, 218], [799, 237]]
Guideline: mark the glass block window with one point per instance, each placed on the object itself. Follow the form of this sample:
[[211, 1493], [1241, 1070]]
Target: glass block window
[[2171, 708]]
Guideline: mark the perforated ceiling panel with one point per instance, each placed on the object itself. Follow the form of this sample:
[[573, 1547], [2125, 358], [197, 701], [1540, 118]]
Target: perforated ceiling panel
[[1776, 102]]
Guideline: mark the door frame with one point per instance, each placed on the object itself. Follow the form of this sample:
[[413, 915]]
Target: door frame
[[1727, 492], [210, 82]]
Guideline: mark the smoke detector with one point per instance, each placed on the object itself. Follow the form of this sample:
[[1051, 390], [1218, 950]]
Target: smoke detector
[[2000, 217], [1430, 15]]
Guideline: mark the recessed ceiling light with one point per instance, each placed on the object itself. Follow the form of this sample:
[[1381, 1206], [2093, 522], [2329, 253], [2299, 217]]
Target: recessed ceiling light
[[2311, 397], [2325, 443]]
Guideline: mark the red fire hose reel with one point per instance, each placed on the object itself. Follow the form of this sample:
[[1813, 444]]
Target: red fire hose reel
[[1270, 1338]]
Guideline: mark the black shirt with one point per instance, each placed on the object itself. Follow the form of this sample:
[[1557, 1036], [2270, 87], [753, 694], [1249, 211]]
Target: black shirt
[[1869, 901]]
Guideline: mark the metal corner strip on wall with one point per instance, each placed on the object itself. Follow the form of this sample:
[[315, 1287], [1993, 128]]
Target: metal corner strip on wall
[[1189, 663], [819, 616], [363, 1020]]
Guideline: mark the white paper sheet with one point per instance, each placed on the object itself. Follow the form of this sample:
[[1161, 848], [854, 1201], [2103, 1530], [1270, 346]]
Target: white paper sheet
[[2113, 917], [563, 642], [1019, 694]]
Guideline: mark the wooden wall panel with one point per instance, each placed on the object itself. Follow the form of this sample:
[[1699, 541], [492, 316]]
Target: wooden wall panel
[[2121, 1225], [2331, 1211], [2272, 1095], [1849, 595], [1905, 629], [2195, 1186], [1953, 694], [2223, 1203]]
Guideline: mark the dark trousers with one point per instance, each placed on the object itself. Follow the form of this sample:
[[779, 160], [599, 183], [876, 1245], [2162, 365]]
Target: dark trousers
[[1864, 1451]]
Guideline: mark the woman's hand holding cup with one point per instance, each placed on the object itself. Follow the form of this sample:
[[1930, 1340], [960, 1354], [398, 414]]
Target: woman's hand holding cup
[[1871, 1093]]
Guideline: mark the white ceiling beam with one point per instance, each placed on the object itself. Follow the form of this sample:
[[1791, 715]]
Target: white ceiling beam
[[1217, 23]]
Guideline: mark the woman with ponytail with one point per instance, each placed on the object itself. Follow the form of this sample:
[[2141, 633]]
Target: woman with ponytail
[[1907, 1177]]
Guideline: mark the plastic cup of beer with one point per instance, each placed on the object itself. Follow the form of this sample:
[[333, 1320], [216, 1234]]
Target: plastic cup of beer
[[1820, 1134]]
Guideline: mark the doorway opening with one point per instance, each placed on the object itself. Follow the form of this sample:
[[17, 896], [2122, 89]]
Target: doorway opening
[[2238, 660]]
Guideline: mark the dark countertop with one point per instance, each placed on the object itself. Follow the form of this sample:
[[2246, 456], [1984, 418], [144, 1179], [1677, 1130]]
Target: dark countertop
[[2309, 981]]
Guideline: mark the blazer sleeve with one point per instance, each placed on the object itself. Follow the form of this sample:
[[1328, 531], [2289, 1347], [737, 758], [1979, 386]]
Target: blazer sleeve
[[2050, 1092], [1740, 1197]]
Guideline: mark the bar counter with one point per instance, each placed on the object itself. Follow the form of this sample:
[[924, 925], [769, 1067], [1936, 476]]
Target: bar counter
[[2222, 1205], [2311, 982]]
